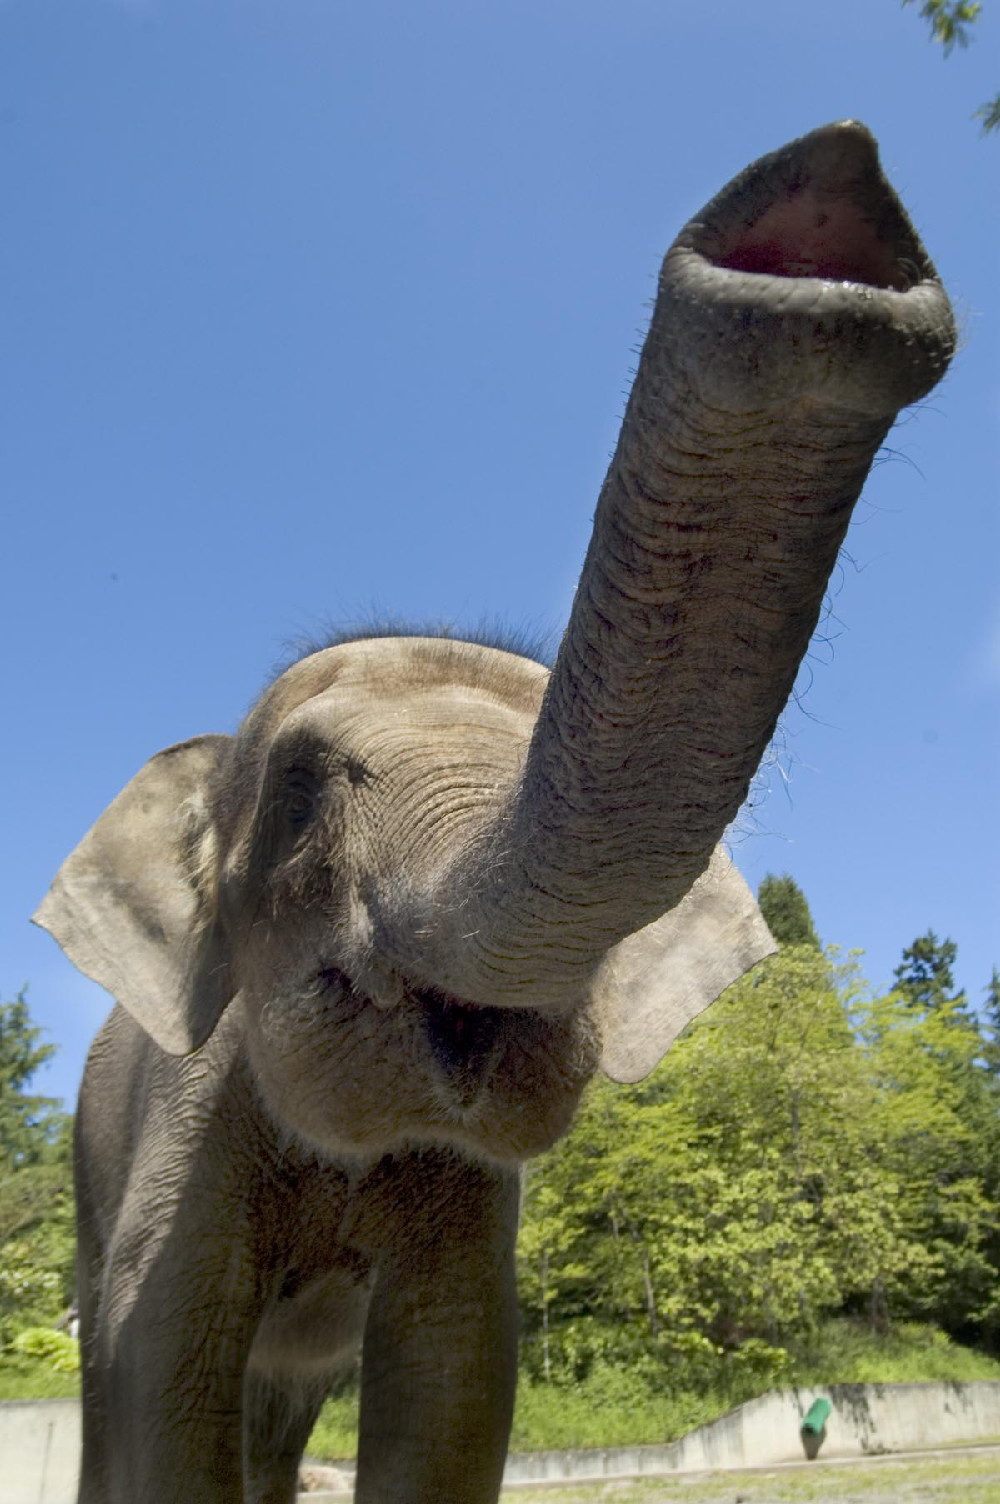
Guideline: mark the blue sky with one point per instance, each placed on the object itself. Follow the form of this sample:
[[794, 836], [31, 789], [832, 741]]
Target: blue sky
[[313, 308]]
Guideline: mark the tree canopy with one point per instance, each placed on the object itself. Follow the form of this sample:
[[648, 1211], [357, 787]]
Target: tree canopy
[[786, 912], [36, 1193], [807, 1148], [925, 974]]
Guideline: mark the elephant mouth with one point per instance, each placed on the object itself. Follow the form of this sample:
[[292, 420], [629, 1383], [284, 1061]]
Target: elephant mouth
[[465, 1040]]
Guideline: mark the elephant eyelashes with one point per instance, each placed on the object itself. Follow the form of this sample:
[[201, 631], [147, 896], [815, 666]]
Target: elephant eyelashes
[[301, 789], [299, 798]]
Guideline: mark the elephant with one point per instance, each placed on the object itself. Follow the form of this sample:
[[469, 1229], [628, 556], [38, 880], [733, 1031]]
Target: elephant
[[367, 951]]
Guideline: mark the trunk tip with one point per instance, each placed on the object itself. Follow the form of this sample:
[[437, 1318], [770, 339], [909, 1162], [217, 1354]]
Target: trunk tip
[[819, 207], [839, 159]]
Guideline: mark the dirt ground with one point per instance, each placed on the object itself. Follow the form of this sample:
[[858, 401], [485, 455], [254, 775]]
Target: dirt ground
[[959, 1478]]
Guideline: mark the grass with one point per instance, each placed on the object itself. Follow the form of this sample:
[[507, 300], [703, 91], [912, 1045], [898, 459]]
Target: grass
[[600, 1413], [613, 1407], [335, 1434], [847, 1353], [30, 1379]]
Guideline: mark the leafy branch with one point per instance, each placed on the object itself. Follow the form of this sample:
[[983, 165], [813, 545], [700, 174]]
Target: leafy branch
[[949, 22]]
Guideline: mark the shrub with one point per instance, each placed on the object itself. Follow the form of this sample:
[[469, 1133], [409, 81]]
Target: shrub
[[57, 1350]]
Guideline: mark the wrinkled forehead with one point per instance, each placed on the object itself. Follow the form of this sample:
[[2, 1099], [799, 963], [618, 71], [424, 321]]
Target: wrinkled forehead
[[400, 680]]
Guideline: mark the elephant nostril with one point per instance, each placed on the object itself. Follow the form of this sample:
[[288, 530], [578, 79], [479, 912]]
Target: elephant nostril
[[804, 235]]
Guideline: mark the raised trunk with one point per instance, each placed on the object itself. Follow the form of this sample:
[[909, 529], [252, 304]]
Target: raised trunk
[[796, 314]]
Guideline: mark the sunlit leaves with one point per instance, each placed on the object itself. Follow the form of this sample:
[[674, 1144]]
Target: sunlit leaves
[[949, 22], [804, 1149]]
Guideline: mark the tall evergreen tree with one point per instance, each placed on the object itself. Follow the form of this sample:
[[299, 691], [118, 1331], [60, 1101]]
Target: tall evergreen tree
[[925, 976], [36, 1193], [23, 1117], [786, 912], [991, 1022]]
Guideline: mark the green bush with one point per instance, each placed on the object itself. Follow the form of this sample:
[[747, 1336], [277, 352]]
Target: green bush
[[24, 1378], [847, 1352], [57, 1350], [27, 1290], [335, 1434]]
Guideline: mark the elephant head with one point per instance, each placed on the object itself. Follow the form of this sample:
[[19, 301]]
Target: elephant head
[[434, 884]]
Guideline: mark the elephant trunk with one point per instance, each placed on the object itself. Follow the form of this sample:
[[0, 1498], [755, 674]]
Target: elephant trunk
[[796, 315]]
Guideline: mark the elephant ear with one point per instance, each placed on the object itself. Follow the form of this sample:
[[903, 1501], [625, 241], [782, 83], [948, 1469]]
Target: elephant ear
[[651, 985], [134, 906]]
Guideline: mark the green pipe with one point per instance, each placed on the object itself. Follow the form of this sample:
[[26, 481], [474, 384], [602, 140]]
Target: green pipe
[[816, 1417]]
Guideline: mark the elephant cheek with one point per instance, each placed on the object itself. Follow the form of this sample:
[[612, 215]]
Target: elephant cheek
[[343, 1085]]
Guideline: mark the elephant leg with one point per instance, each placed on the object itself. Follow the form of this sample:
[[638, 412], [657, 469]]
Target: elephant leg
[[279, 1414], [175, 1418], [94, 1471], [439, 1364], [95, 1484], [173, 1345]]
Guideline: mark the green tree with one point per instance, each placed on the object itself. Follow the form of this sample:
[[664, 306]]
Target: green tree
[[991, 1021], [950, 22], [925, 977], [931, 1055], [698, 1222], [786, 912], [990, 1134], [805, 1149], [935, 1137], [36, 1199], [22, 1117]]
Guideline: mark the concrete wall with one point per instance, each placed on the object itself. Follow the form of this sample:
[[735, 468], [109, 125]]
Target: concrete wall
[[40, 1439], [866, 1418], [39, 1451]]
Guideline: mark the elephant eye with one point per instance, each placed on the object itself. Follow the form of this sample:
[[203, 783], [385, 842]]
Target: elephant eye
[[300, 791]]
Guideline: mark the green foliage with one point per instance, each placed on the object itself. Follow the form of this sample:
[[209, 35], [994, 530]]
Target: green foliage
[[23, 1118], [989, 114], [705, 1208], [335, 1434], [949, 22], [57, 1350], [848, 1352], [36, 1196], [991, 1026], [786, 912], [935, 1132], [804, 1149], [611, 1407], [24, 1378], [924, 976], [618, 1406], [26, 1286]]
